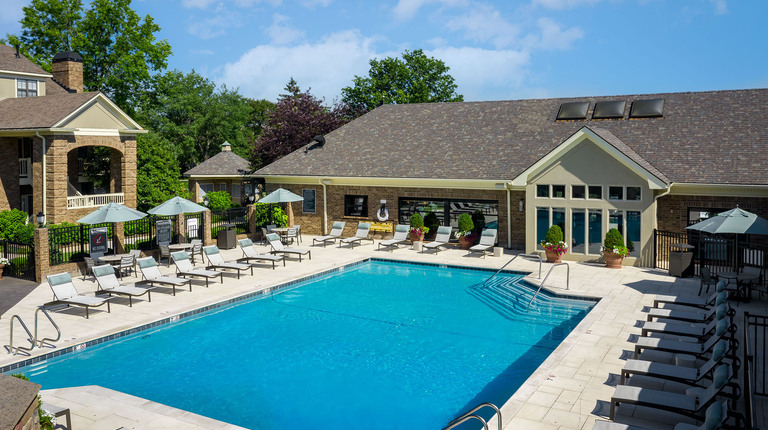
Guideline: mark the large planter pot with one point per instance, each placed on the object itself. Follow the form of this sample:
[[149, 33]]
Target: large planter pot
[[612, 260], [465, 243], [414, 238], [552, 256], [2, 268]]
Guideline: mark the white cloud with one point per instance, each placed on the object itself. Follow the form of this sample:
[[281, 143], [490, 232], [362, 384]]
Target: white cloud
[[553, 36], [282, 34], [197, 4], [564, 4], [721, 6], [211, 27], [311, 4], [405, 10], [204, 4], [484, 23]]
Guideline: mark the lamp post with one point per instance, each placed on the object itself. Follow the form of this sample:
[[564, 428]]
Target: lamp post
[[40, 218], [206, 201], [251, 198]]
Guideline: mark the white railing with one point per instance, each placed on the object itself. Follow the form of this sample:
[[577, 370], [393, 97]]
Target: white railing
[[72, 191], [25, 171], [94, 200]]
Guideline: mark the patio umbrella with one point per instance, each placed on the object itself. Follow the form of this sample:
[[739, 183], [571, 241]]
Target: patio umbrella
[[112, 212], [176, 206], [734, 221], [281, 195]]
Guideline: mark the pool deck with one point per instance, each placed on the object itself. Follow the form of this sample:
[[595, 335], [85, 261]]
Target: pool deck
[[570, 390]]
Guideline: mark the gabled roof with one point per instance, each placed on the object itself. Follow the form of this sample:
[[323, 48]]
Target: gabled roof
[[21, 64], [225, 163], [715, 137], [40, 112]]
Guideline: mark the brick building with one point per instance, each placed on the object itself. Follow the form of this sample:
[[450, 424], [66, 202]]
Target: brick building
[[225, 171], [633, 162], [48, 129]]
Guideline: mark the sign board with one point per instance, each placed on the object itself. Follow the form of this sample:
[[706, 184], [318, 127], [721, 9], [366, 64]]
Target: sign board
[[164, 231], [192, 227], [97, 238]]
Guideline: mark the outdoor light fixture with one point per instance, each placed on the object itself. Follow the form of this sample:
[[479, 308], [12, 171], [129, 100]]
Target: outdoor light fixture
[[206, 201], [251, 198], [40, 218], [522, 205]]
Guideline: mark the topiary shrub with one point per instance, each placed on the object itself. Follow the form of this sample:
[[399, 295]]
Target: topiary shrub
[[614, 242], [417, 221], [431, 222], [478, 219], [465, 225], [554, 235]]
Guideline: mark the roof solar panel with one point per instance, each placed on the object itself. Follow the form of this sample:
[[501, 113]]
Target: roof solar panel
[[573, 110], [647, 108], [609, 109]]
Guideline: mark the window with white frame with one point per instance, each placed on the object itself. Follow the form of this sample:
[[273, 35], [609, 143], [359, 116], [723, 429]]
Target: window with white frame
[[26, 88]]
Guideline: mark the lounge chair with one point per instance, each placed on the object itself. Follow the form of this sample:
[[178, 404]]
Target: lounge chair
[[679, 346], [685, 329], [185, 268], [672, 372], [336, 231], [691, 314], [197, 249], [401, 236], [108, 283], [694, 301], [691, 405], [441, 239], [250, 256], [65, 293], [487, 242], [361, 234], [279, 248], [715, 417], [151, 275], [216, 261]]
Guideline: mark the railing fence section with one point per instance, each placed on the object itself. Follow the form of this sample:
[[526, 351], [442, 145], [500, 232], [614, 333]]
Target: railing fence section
[[195, 224], [69, 244], [755, 360], [21, 259], [236, 216]]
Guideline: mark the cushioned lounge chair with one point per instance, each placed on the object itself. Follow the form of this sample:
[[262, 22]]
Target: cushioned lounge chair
[[216, 261], [185, 268], [361, 234], [694, 301], [279, 248], [250, 256], [401, 236], [108, 283], [442, 238], [150, 272], [696, 330], [336, 231], [65, 293], [672, 372], [678, 346], [686, 313], [715, 417], [487, 242]]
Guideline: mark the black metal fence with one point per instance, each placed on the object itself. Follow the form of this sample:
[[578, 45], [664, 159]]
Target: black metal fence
[[21, 259], [755, 361], [236, 216], [141, 233], [69, 244], [195, 228]]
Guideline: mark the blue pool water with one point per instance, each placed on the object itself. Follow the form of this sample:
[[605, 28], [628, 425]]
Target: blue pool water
[[377, 345]]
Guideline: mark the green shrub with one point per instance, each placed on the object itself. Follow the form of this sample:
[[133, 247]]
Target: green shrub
[[219, 200], [132, 228], [554, 235], [417, 221], [14, 226], [270, 213], [478, 219], [465, 225], [613, 239], [431, 221]]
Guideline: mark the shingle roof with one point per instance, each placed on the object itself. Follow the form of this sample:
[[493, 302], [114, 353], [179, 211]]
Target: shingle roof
[[225, 163], [40, 112], [9, 61], [718, 137]]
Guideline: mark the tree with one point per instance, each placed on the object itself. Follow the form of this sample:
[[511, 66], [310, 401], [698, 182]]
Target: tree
[[157, 174], [414, 79]]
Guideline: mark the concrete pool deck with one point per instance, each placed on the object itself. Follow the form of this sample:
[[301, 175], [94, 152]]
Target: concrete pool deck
[[570, 390]]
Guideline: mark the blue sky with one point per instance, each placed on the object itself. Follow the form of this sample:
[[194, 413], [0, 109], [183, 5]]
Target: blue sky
[[496, 50]]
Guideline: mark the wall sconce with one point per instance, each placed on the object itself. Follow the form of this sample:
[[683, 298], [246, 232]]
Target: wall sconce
[[206, 201], [251, 198], [521, 205], [40, 218]]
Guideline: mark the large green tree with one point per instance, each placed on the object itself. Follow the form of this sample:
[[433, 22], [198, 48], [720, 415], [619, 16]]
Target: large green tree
[[157, 175], [415, 78]]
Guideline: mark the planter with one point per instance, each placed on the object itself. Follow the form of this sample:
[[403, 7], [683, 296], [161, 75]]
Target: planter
[[2, 269], [552, 256], [413, 238], [465, 243], [612, 260], [417, 245]]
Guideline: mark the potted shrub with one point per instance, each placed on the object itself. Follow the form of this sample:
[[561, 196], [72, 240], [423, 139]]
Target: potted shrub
[[466, 227], [431, 222], [553, 244], [3, 262], [614, 250], [417, 229]]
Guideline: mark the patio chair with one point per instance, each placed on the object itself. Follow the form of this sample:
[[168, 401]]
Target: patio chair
[[89, 265], [126, 265], [65, 293], [96, 256], [683, 346], [291, 233], [197, 249], [442, 238], [185, 268], [108, 283], [336, 230], [706, 279], [264, 234], [270, 227], [361, 234], [150, 272], [136, 253], [250, 256], [695, 301], [690, 315], [277, 247], [400, 236], [715, 417], [165, 252], [487, 242], [216, 261], [696, 330], [673, 372], [298, 232]]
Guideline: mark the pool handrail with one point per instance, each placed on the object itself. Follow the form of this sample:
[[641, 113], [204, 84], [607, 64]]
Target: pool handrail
[[471, 415], [567, 279], [513, 259], [40, 343], [10, 346]]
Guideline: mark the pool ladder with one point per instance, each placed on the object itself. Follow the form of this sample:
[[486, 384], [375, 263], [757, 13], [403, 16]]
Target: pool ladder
[[513, 259], [33, 339], [567, 279], [471, 415]]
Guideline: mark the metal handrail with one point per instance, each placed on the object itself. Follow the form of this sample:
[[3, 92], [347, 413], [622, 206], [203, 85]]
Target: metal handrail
[[567, 279], [40, 343], [513, 259], [471, 414], [31, 339]]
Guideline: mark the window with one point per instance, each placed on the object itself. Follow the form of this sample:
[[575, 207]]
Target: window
[[633, 233], [633, 193], [558, 191], [26, 88], [207, 188], [578, 191], [595, 234], [236, 191], [222, 187], [448, 211], [578, 227], [615, 193], [356, 206], [542, 225], [308, 204], [700, 214], [542, 190], [595, 192]]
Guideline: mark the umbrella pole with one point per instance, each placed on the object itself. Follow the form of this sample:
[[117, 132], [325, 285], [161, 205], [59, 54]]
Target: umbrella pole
[[290, 214]]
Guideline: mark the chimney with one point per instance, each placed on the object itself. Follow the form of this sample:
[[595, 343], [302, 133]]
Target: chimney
[[68, 71], [226, 146]]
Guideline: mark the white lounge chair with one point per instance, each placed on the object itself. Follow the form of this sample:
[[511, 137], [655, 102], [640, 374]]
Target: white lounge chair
[[184, 268], [401, 236], [251, 256], [65, 293], [672, 372], [442, 238], [108, 283], [686, 313], [716, 415], [487, 242], [361, 234], [336, 231], [151, 275], [694, 301], [682, 346], [685, 329], [216, 261], [279, 248]]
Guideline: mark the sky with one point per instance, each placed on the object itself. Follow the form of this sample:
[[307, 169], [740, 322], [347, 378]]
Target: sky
[[496, 49]]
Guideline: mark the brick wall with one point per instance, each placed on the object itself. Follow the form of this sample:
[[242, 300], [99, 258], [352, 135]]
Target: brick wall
[[10, 197], [672, 213]]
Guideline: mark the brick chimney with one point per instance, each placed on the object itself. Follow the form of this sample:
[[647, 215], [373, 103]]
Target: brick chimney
[[68, 71]]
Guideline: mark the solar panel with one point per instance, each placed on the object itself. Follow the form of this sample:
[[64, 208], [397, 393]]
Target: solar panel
[[647, 108], [610, 109], [574, 110]]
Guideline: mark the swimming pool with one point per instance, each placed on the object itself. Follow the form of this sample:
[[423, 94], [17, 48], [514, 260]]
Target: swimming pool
[[372, 345]]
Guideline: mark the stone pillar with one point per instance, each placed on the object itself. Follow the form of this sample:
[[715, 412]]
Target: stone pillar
[[207, 230], [128, 171], [181, 227], [42, 260], [119, 239], [251, 217], [56, 179]]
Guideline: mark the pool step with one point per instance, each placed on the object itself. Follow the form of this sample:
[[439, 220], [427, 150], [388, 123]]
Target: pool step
[[38, 368]]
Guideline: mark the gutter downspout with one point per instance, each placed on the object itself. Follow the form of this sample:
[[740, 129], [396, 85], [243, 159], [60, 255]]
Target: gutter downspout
[[45, 197], [656, 217], [509, 215], [325, 204]]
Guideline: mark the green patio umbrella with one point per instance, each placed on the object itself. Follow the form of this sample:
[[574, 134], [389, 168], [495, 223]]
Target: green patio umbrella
[[112, 212], [281, 195], [734, 221], [176, 206]]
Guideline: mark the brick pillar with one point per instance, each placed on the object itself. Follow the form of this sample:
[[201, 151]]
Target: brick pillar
[[181, 227], [42, 260], [128, 171], [119, 230], [251, 217], [207, 231]]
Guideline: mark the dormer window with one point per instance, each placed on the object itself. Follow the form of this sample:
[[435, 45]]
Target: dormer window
[[26, 88]]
